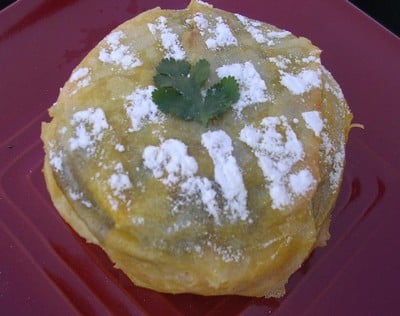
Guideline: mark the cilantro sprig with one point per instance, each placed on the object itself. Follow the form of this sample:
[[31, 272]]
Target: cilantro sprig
[[179, 91]]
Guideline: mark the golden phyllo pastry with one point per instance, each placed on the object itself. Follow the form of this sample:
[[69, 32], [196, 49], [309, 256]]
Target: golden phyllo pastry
[[187, 202]]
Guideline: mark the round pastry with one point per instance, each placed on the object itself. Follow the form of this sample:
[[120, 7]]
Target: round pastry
[[202, 150]]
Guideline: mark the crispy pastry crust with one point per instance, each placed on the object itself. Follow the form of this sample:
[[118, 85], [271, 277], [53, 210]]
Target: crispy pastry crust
[[183, 228]]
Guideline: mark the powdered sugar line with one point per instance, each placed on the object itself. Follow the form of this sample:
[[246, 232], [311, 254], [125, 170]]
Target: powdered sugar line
[[217, 35], [227, 173], [277, 154], [141, 109], [171, 163], [89, 129], [169, 40], [118, 54], [252, 87]]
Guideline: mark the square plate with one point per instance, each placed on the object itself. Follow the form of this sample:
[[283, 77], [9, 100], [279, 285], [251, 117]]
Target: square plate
[[45, 268]]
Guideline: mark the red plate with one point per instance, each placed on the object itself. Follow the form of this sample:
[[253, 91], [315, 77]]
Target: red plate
[[45, 268]]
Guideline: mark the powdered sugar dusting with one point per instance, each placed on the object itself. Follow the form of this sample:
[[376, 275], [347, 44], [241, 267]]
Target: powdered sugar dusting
[[82, 78], [137, 220], [253, 27], [302, 82], [62, 130], [78, 196], [311, 59], [89, 129], [333, 87], [338, 165], [117, 53], [201, 22], [179, 225], [203, 187], [334, 159], [280, 61], [87, 203], [75, 195], [301, 182], [79, 74], [119, 147], [141, 109], [313, 121], [204, 3], [277, 154], [261, 36], [278, 34], [218, 35], [252, 87], [119, 182], [169, 40], [228, 254], [227, 173], [56, 160], [171, 163], [222, 36]]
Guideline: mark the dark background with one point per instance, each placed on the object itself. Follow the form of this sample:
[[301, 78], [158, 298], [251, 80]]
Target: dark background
[[386, 12]]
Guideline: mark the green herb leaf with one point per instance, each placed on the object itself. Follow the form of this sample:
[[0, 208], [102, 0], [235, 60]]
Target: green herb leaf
[[200, 73], [219, 98], [170, 101], [179, 91]]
